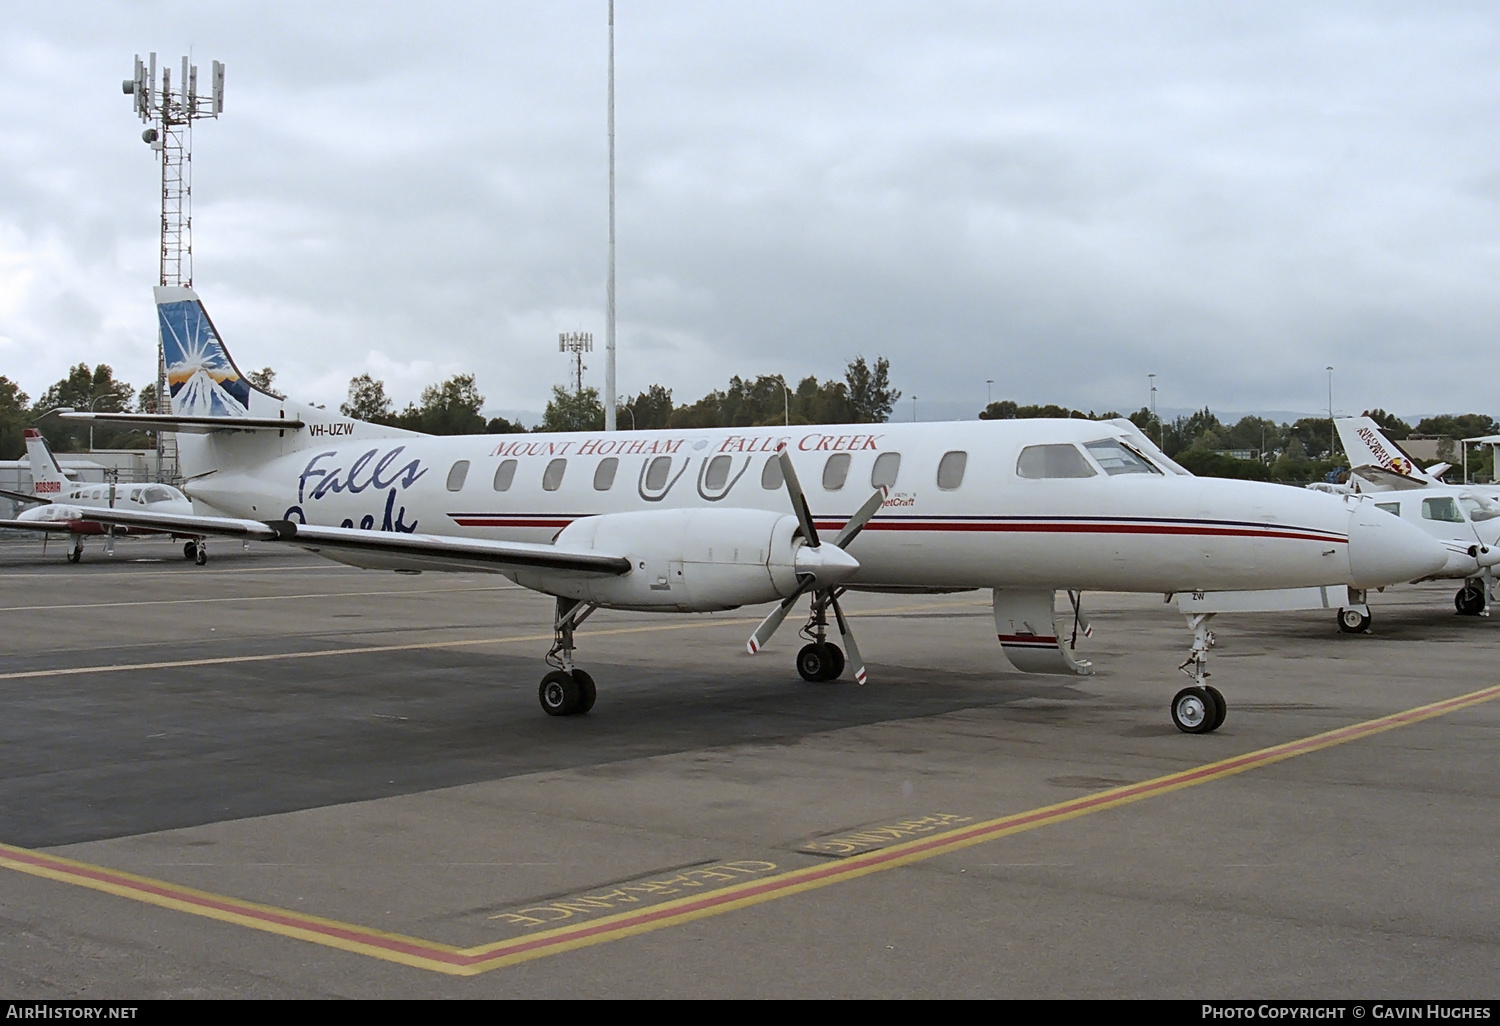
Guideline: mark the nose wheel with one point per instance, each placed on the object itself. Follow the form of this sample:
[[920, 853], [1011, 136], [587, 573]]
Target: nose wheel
[[567, 690], [1199, 709], [1470, 600]]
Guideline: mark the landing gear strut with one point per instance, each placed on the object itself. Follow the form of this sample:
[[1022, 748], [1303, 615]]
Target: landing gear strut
[[567, 690], [1355, 618], [1199, 709], [820, 660], [76, 552]]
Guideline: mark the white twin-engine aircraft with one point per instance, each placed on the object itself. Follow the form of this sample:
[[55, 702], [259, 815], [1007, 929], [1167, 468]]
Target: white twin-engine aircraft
[[692, 521], [58, 502]]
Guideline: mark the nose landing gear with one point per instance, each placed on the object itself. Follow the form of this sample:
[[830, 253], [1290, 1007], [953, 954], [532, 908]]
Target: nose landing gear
[[1199, 709]]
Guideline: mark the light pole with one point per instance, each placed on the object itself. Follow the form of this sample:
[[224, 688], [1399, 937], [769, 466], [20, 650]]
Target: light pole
[[1152, 379], [786, 399], [624, 405], [989, 393], [1332, 431], [106, 395], [913, 409]]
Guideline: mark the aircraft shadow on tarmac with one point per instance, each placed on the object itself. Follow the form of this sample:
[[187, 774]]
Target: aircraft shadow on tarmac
[[90, 757]]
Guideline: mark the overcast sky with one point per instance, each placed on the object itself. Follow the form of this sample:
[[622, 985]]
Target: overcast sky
[[1062, 197]]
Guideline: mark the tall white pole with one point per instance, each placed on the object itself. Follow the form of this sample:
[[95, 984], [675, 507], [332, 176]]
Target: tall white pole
[[609, 306]]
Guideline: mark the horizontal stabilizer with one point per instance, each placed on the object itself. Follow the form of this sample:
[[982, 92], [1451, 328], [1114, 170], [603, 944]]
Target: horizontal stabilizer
[[23, 497], [51, 526], [379, 550], [1383, 478], [186, 424]]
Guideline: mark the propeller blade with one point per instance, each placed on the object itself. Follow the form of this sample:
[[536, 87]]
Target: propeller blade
[[799, 501], [856, 661], [862, 517], [769, 625]]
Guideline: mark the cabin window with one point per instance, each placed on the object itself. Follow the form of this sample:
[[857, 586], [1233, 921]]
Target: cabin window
[[456, 475], [1042, 462], [656, 473], [155, 495], [770, 477], [1393, 508], [1442, 508], [717, 474], [604, 474], [505, 473], [1118, 458], [553, 475], [836, 471], [887, 466], [951, 470]]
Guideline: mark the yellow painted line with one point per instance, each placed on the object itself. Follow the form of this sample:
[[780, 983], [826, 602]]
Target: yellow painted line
[[252, 598], [446, 958], [416, 646]]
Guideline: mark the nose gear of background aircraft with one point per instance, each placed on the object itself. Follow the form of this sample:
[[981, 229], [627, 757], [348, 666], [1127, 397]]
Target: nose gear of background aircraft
[[816, 662]]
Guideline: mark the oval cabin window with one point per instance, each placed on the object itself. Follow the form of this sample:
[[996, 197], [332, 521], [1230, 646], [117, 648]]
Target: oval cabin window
[[553, 475], [951, 470], [505, 473], [456, 475], [656, 473], [604, 474], [887, 466], [717, 474], [836, 471], [770, 476]]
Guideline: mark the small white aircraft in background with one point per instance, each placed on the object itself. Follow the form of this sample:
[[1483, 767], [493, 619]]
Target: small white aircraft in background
[[713, 519], [60, 502], [1464, 518]]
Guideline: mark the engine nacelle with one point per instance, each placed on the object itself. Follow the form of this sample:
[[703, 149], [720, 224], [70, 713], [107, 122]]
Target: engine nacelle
[[689, 560]]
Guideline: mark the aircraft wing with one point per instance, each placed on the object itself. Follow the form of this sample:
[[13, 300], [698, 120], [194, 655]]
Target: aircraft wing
[[54, 526], [24, 497], [1383, 478], [187, 425], [378, 550]]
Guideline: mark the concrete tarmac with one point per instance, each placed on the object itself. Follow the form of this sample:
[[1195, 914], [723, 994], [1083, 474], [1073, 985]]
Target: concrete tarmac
[[277, 777]]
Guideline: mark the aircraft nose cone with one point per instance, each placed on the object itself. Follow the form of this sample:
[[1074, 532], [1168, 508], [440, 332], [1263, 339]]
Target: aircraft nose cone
[[828, 563], [1384, 549]]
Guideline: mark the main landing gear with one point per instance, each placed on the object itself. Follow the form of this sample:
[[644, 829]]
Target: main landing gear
[[567, 690], [1199, 709], [1471, 599], [75, 554], [197, 551], [820, 660]]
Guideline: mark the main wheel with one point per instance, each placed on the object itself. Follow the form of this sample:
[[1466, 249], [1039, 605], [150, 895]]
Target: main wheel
[[200, 556], [190, 550], [835, 662], [1221, 707], [586, 691], [559, 694], [1193, 710], [1352, 621], [74, 555], [1469, 601], [813, 663]]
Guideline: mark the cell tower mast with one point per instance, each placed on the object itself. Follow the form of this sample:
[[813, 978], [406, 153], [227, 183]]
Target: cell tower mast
[[169, 116], [577, 343]]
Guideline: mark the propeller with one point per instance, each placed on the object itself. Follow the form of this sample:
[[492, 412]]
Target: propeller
[[820, 568]]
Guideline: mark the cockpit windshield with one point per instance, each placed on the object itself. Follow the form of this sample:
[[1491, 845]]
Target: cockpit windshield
[[1118, 458], [1479, 509]]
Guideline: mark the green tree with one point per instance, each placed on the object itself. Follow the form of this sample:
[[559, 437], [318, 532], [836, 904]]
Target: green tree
[[650, 410], [367, 401], [86, 390], [501, 426], [573, 411], [871, 397], [262, 379], [1390, 425], [14, 418], [452, 408]]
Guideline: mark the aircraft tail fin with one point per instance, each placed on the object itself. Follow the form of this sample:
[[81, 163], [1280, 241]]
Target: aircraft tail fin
[[202, 379], [1367, 446], [47, 475]]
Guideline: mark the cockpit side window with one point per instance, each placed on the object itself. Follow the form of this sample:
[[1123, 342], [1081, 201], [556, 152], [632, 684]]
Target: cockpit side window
[[1442, 508], [1118, 458], [1393, 508], [1043, 462]]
